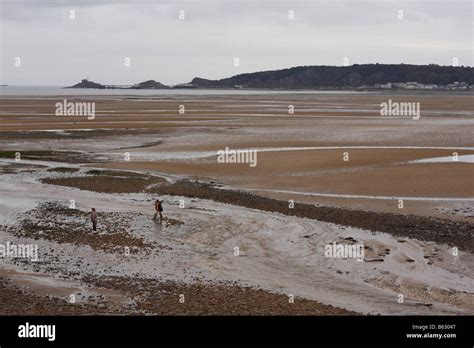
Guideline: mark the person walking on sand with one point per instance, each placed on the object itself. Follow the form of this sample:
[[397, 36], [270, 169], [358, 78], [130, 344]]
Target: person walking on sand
[[158, 210], [94, 219]]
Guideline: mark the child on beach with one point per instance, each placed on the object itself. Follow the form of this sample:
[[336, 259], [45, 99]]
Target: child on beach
[[94, 219], [158, 210]]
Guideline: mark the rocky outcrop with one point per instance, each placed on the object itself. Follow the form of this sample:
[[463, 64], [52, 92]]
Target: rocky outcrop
[[87, 84], [150, 84]]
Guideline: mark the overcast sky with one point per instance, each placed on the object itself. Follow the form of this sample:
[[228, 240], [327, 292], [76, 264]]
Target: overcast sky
[[56, 49]]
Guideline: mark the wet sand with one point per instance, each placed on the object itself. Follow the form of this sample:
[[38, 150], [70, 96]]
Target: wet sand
[[125, 296], [262, 122], [409, 250], [445, 231], [277, 252]]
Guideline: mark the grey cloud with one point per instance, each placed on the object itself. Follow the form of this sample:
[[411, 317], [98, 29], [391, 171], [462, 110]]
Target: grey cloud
[[56, 50]]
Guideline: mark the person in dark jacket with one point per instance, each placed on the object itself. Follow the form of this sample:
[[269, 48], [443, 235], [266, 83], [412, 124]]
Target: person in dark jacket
[[94, 219], [158, 210]]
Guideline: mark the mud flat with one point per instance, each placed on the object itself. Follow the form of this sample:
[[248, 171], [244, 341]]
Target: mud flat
[[193, 252], [300, 155], [445, 231], [126, 296], [139, 149]]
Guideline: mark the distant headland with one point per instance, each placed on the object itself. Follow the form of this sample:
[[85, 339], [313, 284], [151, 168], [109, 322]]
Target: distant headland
[[365, 76]]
